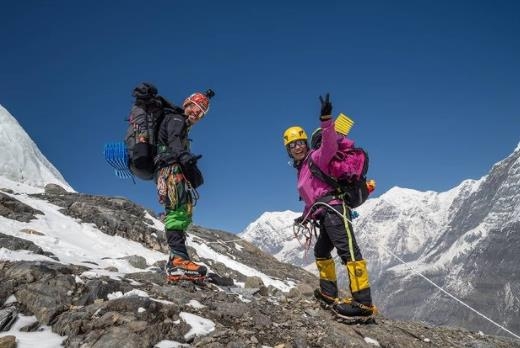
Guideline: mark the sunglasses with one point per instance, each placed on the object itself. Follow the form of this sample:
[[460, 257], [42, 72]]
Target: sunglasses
[[296, 143]]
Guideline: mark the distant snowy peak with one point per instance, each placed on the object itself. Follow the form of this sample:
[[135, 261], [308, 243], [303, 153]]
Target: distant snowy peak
[[407, 198], [277, 225], [20, 159], [271, 230], [512, 157], [274, 220], [273, 233]]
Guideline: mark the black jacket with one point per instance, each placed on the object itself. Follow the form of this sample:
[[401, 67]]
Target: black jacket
[[172, 138]]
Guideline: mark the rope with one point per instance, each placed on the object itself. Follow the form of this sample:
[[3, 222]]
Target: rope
[[450, 295], [306, 232]]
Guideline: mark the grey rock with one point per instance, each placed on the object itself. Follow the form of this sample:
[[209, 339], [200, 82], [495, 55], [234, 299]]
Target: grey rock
[[111, 269], [34, 326], [253, 282], [47, 297], [136, 261], [99, 289], [8, 341], [15, 243], [13, 209], [54, 189]]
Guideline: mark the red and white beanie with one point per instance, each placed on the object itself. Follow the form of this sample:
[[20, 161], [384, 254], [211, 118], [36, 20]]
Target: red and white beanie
[[199, 99]]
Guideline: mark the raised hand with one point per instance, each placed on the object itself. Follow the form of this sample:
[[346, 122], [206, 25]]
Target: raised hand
[[326, 108]]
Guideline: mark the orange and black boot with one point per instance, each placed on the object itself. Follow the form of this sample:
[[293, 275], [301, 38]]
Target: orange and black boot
[[178, 268]]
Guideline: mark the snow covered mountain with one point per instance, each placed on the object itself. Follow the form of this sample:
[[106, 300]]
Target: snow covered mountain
[[465, 240], [20, 159]]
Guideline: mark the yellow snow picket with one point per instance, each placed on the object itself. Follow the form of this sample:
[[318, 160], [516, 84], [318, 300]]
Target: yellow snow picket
[[343, 124]]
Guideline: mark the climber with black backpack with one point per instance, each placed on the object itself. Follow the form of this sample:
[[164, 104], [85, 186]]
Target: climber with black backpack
[[177, 177], [331, 176], [157, 148]]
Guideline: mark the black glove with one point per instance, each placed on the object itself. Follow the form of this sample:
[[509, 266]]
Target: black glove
[[300, 220], [326, 108], [188, 159], [162, 160]]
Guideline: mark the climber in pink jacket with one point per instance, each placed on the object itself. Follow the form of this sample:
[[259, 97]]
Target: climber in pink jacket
[[331, 212]]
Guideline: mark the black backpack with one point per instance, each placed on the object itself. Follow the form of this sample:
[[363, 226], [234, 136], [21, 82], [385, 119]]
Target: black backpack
[[144, 120]]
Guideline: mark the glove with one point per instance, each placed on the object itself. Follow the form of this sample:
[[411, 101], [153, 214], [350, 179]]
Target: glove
[[326, 108], [300, 220], [162, 160], [187, 158]]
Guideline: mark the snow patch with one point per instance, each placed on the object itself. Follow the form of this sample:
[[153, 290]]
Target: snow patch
[[10, 299], [372, 341], [43, 338], [199, 326], [170, 344], [134, 292], [204, 251], [196, 304]]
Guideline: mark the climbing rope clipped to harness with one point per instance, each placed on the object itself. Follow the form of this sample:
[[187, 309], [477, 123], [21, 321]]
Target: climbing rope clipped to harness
[[302, 229], [305, 231], [193, 193]]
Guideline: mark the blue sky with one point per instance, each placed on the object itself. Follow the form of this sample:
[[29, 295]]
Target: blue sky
[[434, 88]]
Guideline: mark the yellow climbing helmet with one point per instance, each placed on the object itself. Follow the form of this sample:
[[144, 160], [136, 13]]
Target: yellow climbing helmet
[[292, 134]]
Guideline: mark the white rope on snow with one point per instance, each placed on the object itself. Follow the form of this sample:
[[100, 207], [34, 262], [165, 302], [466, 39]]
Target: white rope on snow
[[450, 295]]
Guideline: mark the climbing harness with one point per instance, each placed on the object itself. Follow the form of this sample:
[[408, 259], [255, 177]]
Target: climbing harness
[[167, 180], [308, 232]]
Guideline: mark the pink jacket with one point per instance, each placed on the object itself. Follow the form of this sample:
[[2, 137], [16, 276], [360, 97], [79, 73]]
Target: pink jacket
[[309, 187]]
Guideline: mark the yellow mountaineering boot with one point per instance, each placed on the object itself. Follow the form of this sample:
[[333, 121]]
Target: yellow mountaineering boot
[[360, 305], [328, 291], [348, 308]]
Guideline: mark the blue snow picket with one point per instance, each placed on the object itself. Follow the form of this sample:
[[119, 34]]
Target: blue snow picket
[[116, 155]]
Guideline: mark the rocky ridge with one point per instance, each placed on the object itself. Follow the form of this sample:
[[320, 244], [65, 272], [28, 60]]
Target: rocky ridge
[[81, 305]]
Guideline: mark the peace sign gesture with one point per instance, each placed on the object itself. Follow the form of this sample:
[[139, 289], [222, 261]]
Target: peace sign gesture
[[326, 106]]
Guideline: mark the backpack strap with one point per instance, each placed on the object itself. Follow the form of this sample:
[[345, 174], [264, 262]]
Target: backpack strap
[[336, 193], [317, 172], [328, 197]]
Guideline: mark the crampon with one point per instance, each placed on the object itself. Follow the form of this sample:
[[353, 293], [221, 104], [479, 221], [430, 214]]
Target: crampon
[[175, 278], [371, 319], [327, 304]]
